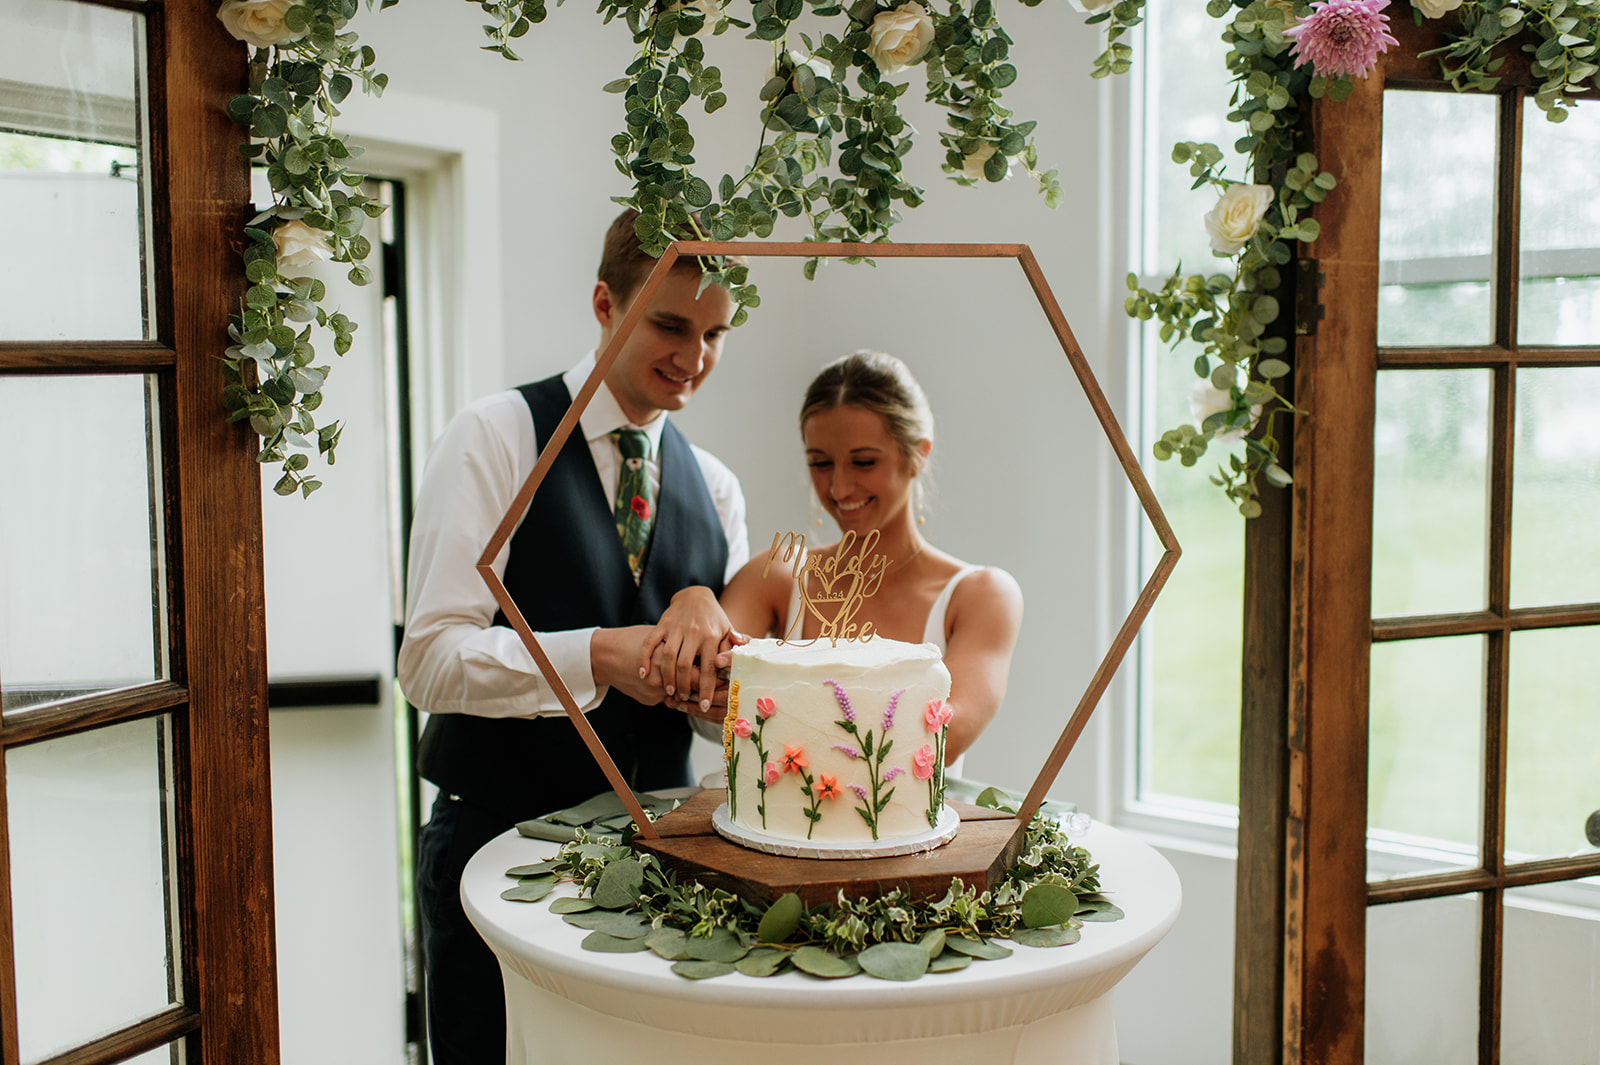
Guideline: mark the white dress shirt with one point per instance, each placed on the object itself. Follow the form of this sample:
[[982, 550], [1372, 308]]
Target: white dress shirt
[[454, 659]]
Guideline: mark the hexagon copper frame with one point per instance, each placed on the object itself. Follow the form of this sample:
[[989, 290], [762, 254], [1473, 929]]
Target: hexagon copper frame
[[758, 249]]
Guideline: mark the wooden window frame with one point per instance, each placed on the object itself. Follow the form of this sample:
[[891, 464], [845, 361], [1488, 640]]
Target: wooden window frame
[[216, 638]]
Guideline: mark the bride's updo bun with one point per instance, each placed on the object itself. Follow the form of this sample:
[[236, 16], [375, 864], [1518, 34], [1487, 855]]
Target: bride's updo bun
[[879, 383]]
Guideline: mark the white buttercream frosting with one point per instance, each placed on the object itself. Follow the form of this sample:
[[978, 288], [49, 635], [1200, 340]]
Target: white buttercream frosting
[[803, 680]]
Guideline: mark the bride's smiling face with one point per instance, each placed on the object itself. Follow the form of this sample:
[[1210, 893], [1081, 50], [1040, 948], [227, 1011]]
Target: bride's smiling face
[[857, 468]]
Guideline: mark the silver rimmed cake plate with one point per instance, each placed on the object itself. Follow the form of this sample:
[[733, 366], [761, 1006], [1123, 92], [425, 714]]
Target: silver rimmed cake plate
[[942, 833]]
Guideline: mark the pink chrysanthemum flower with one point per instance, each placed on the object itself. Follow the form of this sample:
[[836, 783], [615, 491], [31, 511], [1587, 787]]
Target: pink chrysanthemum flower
[[1342, 37]]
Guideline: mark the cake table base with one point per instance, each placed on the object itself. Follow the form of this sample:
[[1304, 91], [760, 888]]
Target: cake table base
[[986, 845]]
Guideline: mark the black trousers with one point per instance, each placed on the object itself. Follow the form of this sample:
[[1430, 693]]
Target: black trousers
[[466, 998]]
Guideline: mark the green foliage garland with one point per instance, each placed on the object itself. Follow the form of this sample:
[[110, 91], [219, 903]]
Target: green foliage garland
[[631, 903], [1228, 312]]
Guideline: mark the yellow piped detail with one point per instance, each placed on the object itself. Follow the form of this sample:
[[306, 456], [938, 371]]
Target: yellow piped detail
[[727, 722]]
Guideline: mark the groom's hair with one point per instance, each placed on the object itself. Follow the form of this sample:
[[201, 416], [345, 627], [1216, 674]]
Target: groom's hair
[[624, 264]]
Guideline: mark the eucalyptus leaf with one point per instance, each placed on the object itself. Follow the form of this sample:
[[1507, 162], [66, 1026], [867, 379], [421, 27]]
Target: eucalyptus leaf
[[824, 963], [612, 923], [571, 904], [722, 945], [1048, 904], [535, 869], [764, 961], [669, 943], [976, 948], [933, 942], [1056, 936], [530, 890], [949, 962], [894, 961], [1098, 908], [620, 884], [602, 943], [780, 920], [702, 970]]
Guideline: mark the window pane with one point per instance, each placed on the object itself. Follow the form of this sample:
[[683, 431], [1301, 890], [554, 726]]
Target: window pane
[[1550, 1010], [1552, 779], [1189, 648], [1430, 492], [93, 882], [1556, 491], [74, 195], [1560, 293], [81, 585], [1422, 981], [1426, 742], [1436, 226]]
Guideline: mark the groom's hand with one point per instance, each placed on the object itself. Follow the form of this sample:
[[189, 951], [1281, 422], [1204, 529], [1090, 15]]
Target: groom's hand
[[614, 661]]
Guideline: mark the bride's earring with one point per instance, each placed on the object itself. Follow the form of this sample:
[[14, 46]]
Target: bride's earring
[[917, 489], [816, 510]]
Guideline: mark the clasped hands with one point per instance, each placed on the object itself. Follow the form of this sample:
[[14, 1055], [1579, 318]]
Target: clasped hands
[[663, 663]]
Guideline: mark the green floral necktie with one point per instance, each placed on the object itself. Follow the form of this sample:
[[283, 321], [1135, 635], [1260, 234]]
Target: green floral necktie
[[634, 509]]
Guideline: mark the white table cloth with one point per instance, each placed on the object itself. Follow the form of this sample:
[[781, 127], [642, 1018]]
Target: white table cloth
[[565, 1004]]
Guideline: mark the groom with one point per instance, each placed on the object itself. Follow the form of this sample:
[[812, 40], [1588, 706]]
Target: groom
[[628, 514]]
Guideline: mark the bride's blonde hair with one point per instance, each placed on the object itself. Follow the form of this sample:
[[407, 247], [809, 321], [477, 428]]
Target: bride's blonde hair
[[879, 383]]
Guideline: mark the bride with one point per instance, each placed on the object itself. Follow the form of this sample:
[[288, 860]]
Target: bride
[[868, 433]]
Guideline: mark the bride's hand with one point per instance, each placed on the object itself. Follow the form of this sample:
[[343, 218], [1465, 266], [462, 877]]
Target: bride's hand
[[692, 628]]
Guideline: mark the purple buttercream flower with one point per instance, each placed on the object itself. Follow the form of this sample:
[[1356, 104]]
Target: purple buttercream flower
[[888, 714], [849, 752], [893, 772], [1342, 37], [844, 700], [861, 793]]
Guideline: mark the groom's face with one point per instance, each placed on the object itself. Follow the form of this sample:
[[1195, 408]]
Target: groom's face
[[671, 351]]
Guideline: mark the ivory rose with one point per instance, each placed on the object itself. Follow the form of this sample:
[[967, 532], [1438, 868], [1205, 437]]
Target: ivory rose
[[900, 37], [1435, 8], [1235, 218], [1206, 399], [259, 22], [972, 165], [1092, 7], [300, 246]]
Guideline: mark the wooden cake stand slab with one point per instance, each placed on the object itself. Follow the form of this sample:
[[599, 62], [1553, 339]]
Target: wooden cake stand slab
[[988, 844]]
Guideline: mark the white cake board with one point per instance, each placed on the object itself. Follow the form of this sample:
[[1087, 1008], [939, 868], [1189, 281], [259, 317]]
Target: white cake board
[[945, 831]]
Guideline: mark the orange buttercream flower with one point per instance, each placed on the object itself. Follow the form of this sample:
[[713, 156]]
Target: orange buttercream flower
[[827, 787], [794, 759]]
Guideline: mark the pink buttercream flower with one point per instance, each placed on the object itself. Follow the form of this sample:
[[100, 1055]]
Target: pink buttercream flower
[[861, 793], [893, 772], [849, 752], [922, 763], [937, 716], [766, 707], [1342, 37], [773, 772], [743, 728], [844, 701], [794, 759], [888, 713]]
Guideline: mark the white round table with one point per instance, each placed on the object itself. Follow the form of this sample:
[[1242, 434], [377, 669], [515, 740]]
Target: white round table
[[565, 1004]]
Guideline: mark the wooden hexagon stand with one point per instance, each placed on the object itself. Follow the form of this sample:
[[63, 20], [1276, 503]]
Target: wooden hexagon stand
[[988, 842]]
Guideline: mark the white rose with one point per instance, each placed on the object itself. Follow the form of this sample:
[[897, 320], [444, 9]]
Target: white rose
[[1233, 221], [300, 246], [972, 165], [900, 37], [258, 22], [1206, 399], [1092, 7], [1435, 8]]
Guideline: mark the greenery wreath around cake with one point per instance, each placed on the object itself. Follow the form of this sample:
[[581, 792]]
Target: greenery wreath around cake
[[628, 903]]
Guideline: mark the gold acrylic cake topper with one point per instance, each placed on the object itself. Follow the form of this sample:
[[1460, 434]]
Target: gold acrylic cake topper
[[843, 582]]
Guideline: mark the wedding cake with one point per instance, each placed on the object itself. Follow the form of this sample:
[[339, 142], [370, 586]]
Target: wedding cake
[[836, 742]]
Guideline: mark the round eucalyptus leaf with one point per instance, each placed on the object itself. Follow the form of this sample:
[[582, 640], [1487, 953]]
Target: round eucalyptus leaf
[[824, 963], [601, 943], [669, 943], [702, 970], [1058, 936], [763, 961], [621, 925], [722, 945], [536, 869], [933, 942], [1048, 904], [894, 961], [571, 904], [976, 948], [1591, 828], [780, 920], [949, 962], [529, 890], [1101, 911], [619, 885]]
